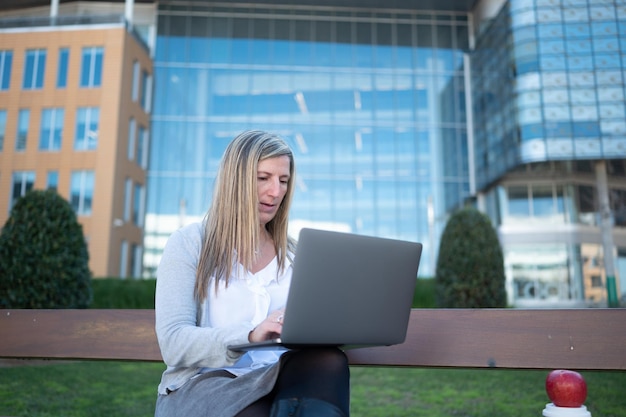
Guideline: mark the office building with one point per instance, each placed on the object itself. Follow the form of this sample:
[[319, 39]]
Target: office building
[[398, 112], [75, 99]]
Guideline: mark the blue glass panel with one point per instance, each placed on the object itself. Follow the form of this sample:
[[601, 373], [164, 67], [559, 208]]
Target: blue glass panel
[[343, 56], [580, 62], [606, 28], [64, 56], [586, 129], [558, 129], [46, 129], [575, 30], [94, 122], [554, 46], [552, 62], [6, 64], [41, 69], [543, 201], [97, 70], [88, 192], [532, 131], [52, 180], [85, 71], [29, 69], [607, 61], [241, 51], [550, 30], [578, 46], [3, 128], [22, 129], [524, 33], [518, 202], [57, 136], [87, 120]]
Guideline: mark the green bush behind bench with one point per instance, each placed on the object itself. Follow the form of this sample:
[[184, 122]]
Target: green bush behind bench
[[139, 293]]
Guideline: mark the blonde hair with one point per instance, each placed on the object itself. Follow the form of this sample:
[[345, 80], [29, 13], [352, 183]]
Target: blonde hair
[[232, 222]]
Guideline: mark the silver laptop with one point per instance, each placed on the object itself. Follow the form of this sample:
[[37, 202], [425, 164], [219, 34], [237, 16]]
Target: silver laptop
[[347, 290]]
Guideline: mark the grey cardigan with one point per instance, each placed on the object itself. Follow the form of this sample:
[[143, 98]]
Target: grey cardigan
[[187, 344]]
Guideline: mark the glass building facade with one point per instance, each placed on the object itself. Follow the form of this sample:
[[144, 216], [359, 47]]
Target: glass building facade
[[548, 87], [369, 101]]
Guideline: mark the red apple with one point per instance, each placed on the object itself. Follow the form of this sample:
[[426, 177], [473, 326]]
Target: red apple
[[566, 388]]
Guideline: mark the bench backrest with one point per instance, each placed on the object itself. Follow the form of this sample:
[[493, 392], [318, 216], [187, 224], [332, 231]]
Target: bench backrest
[[475, 338]]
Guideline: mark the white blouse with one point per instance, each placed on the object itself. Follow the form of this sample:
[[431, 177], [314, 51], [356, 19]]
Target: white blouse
[[249, 298]]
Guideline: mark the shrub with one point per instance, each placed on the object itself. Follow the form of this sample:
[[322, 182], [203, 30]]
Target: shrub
[[123, 293], [43, 255], [470, 266]]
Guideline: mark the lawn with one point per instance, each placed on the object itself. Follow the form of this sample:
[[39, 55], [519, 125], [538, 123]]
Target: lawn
[[120, 389]]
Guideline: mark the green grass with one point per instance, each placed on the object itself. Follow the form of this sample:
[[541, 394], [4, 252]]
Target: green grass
[[120, 389]]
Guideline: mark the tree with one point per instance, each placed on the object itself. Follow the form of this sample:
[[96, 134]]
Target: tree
[[470, 266], [44, 262]]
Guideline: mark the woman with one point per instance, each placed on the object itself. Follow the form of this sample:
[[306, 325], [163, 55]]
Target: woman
[[223, 282]]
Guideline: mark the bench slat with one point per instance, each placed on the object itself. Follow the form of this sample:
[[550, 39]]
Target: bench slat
[[474, 338], [508, 338], [79, 334]]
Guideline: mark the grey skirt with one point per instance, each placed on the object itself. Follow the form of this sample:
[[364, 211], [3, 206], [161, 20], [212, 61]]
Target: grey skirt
[[218, 393]]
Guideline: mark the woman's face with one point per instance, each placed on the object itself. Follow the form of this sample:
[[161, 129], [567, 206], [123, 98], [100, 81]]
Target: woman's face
[[272, 184]]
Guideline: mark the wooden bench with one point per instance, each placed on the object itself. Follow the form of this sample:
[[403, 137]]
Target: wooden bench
[[583, 339]]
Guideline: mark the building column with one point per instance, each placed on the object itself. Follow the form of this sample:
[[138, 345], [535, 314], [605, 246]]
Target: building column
[[606, 228], [128, 11], [54, 8]]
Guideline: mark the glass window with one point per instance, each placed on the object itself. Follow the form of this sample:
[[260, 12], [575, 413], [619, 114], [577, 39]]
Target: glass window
[[6, 60], [575, 14], [64, 57], [138, 205], [552, 30], [23, 181], [124, 259], [146, 82], [87, 120], [135, 85], [518, 202], [582, 95], [587, 205], [142, 147], [543, 201], [51, 132], [34, 69], [81, 192], [578, 46], [3, 127], [540, 272], [52, 180], [581, 79], [617, 201], [128, 189], [91, 69], [132, 133], [23, 120], [135, 263]]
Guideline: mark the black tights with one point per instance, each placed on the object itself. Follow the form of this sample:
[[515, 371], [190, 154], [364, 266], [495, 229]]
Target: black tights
[[309, 373]]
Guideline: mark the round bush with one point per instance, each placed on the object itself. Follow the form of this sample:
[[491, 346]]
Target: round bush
[[470, 266], [44, 262]]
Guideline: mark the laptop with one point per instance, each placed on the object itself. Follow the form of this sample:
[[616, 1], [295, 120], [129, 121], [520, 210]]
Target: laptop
[[347, 291]]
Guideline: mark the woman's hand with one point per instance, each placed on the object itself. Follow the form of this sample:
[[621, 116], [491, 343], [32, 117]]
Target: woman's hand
[[270, 328]]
